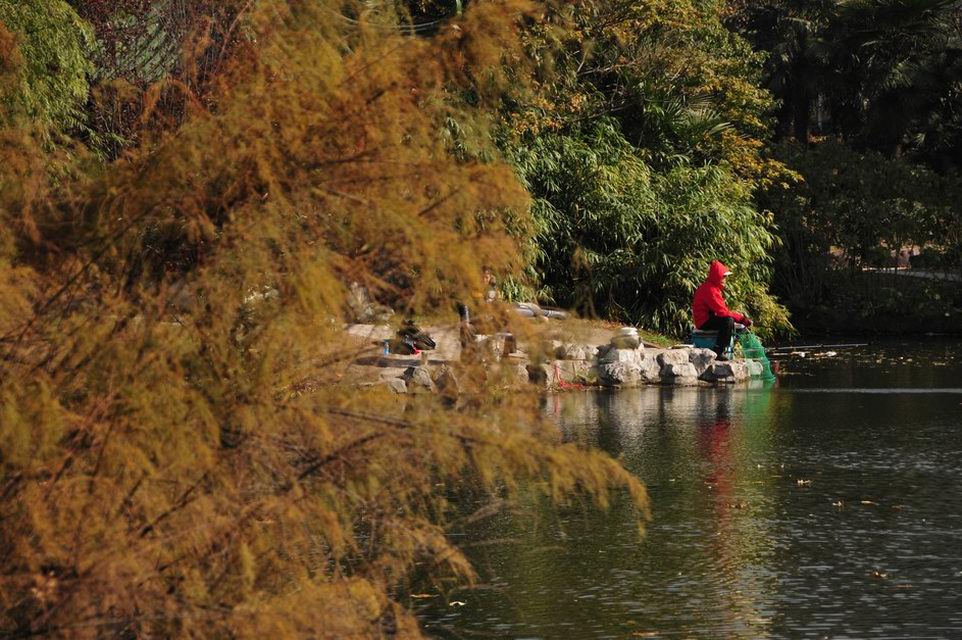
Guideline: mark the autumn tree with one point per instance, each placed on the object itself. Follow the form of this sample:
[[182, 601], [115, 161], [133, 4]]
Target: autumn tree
[[177, 453]]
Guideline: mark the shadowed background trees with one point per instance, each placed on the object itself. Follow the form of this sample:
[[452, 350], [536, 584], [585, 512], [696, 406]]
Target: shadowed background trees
[[869, 119]]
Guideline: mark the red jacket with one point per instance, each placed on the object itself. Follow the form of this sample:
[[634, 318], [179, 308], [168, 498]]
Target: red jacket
[[708, 297]]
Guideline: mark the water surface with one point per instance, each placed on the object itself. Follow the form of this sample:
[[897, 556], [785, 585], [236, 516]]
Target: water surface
[[827, 506]]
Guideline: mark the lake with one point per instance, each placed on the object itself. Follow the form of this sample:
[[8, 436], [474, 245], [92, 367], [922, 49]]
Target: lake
[[826, 506]]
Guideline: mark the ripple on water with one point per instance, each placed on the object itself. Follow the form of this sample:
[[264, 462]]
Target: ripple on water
[[796, 513]]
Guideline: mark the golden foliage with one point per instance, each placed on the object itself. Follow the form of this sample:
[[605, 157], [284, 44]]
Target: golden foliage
[[159, 475]]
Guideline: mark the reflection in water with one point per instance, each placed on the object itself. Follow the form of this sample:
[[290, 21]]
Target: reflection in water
[[778, 513], [731, 546]]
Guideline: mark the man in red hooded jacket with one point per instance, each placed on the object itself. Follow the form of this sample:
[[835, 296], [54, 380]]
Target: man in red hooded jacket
[[709, 311]]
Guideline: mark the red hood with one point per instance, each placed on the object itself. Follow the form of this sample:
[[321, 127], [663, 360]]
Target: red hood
[[716, 273]]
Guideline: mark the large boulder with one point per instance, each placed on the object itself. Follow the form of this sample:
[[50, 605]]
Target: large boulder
[[397, 385], [518, 374], [485, 348], [575, 351], [740, 368], [539, 374], [361, 308], [508, 374], [619, 374], [550, 350], [571, 372], [674, 356], [729, 372], [627, 356], [718, 372], [701, 359], [446, 382], [679, 374], [601, 351], [559, 373], [388, 372], [418, 380], [650, 370]]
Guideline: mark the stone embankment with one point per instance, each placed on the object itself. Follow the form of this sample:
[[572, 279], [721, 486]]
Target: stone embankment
[[553, 365]]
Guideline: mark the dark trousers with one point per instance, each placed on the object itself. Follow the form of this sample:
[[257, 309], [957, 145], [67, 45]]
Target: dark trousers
[[724, 327]]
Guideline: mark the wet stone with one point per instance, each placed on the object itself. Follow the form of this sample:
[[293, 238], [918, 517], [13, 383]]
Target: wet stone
[[726, 372], [619, 374], [680, 374], [701, 359], [755, 368], [651, 370]]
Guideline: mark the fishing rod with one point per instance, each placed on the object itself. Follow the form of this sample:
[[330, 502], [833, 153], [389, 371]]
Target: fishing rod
[[818, 346]]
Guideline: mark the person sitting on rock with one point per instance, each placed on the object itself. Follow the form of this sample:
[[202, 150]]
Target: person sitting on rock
[[710, 312]]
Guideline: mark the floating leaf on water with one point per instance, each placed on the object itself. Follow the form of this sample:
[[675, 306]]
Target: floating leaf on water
[[456, 603], [868, 502], [420, 596], [803, 483], [881, 575], [838, 504]]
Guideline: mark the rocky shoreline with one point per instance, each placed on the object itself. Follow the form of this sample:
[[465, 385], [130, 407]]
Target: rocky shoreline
[[554, 365]]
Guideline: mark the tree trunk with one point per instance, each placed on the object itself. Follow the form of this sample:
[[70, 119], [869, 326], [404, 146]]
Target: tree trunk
[[802, 115], [783, 124]]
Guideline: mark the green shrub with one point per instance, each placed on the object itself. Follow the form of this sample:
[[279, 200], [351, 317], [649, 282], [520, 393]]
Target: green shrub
[[54, 46], [616, 238]]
